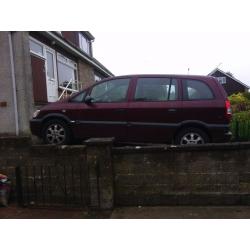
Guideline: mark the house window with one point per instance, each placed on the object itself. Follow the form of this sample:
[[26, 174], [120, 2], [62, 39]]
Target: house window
[[67, 72], [222, 80], [97, 78], [36, 48], [84, 43]]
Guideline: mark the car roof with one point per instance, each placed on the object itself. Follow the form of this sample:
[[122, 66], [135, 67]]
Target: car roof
[[197, 77]]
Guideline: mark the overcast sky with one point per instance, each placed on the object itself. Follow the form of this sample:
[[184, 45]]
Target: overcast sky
[[173, 53]]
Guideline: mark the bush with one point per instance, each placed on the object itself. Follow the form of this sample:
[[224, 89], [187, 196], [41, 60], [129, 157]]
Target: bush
[[240, 102], [240, 126], [247, 95]]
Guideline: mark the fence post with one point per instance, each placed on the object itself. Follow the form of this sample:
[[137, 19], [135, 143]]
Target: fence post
[[100, 169]]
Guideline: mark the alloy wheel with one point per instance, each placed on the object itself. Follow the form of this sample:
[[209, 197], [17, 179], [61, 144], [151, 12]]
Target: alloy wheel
[[55, 134], [192, 138]]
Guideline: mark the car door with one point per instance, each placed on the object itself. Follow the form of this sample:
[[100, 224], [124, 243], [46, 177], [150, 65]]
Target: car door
[[106, 114], [153, 113]]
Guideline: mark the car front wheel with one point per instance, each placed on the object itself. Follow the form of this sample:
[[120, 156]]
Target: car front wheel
[[56, 132], [191, 136]]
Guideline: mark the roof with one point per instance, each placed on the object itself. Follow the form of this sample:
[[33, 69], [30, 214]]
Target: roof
[[221, 71], [77, 52], [88, 35], [194, 77]]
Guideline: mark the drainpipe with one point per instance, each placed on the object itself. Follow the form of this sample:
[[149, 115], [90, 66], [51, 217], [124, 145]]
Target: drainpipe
[[13, 84]]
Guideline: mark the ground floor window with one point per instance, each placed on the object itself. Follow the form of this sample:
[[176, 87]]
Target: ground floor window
[[67, 72], [52, 72]]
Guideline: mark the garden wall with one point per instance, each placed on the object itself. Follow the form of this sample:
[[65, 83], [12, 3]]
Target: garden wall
[[100, 176], [215, 174]]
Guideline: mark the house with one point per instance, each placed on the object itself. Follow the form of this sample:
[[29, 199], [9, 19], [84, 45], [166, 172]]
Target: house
[[229, 82], [41, 67]]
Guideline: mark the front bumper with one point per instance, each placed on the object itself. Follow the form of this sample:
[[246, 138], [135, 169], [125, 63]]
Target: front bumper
[[36, 127]]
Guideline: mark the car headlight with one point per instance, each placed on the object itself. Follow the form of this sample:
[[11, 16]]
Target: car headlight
[[36, 113]]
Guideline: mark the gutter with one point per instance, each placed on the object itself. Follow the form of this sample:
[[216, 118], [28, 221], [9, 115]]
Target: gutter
[[78, 53], [13, 84]]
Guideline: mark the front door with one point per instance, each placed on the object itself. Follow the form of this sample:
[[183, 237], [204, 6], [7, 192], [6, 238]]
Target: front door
[[39, 79], [51, 75]]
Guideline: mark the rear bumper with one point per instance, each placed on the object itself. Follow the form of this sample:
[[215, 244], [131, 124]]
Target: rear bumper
[[222, 135], [36, 127]]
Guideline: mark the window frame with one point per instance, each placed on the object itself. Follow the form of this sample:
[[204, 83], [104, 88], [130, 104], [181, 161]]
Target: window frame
[[69, 63], [80, 36], [105, 81], [39, 43], [171, 81], [221, 79], [198, 80]]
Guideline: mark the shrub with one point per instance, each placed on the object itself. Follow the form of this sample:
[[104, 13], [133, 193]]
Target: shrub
[[240, 102], [240, 126], [247, 95]]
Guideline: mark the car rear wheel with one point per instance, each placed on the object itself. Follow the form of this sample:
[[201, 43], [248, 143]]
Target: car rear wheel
[[56, 132], [191, 136]]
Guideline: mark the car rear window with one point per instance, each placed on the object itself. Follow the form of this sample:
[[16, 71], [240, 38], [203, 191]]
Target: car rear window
[[156, 89], [196, 90]]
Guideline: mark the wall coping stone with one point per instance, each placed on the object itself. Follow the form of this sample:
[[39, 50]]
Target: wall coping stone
[[99, 141], [60, 150], [187, 148]]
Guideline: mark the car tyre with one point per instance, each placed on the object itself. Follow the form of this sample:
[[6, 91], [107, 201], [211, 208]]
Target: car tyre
[[191, 136], [56, 132]]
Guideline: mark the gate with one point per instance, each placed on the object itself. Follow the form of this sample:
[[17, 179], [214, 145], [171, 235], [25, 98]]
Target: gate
[[53, 185]]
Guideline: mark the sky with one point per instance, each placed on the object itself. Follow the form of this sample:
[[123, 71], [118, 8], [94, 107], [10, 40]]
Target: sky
[[174, 52]]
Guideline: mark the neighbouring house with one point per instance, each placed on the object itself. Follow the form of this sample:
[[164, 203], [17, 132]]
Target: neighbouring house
[[229, 82], [41, 67]]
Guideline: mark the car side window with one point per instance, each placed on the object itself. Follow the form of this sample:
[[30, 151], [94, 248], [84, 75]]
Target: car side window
[[78, 98], [196, 90], [110, 91], [156, 89]]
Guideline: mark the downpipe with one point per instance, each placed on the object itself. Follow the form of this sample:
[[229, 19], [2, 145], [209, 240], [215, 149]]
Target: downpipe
[[13, 85]]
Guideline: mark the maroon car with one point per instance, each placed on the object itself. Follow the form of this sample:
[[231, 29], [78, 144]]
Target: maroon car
[[179, 109]]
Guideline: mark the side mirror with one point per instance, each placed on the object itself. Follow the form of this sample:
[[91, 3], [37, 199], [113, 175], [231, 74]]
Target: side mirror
[[88, 99]]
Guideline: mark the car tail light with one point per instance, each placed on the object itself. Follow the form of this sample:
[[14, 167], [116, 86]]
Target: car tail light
[[228, 110]]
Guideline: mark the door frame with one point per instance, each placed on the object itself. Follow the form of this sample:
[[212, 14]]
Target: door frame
[[53, 52], [44, 57]]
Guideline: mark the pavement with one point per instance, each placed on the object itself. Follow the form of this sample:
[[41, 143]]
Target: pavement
[[158, 212]]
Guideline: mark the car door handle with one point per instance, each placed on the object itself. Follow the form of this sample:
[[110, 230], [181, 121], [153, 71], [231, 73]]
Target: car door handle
[[171, 110]]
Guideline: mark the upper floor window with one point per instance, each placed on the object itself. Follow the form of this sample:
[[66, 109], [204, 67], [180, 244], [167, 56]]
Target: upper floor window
[[222, 80], [84, 43], [196, 90], [156, 89]]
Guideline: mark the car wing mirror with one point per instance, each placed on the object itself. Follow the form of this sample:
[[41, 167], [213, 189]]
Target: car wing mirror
[[88, 99]]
